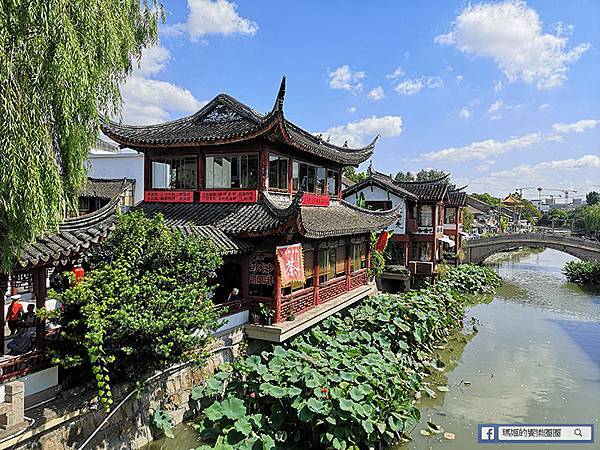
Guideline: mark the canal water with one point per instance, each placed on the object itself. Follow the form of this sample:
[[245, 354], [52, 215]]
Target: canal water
[[535, 359]]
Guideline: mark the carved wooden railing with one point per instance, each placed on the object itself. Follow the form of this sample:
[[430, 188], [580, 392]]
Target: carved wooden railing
[[227, 308], [421, 267], [332, 288], [359, 278], [18, 366], [297, 302]]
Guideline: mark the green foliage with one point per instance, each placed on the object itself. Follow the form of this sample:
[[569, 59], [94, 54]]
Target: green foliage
[[347, 383], [591, 218], [164, 422], [467, 220], [592, 198], [487, 198], [141, 306], [351, 173], [503, 222], [585, 272], [61, 62], [421, 175]]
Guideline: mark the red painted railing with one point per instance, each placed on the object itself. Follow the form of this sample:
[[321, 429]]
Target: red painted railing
[[297, 302], [18, 366], [359, 278], [332, 288]]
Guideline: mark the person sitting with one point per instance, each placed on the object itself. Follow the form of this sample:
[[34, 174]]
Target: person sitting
[[14, 313], [22, 343], [28, 318], [233, 296]]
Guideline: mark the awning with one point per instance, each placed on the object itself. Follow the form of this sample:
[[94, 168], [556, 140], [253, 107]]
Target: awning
[[448, 241]]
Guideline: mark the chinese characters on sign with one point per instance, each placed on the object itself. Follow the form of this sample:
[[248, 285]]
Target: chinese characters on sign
[[169, 196], [261, 271], [291, 263], [229, 196], [309, 199]]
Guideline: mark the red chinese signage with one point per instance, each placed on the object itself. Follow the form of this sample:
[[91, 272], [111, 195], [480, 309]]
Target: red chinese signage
[[382, 241], [169, 196], [315, 200], [291, 263], [229, 196]]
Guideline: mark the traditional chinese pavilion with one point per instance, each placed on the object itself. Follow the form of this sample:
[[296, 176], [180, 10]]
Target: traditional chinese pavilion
[[256, 183]]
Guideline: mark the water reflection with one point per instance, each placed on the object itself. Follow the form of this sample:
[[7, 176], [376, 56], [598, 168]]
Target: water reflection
[[535, 359]]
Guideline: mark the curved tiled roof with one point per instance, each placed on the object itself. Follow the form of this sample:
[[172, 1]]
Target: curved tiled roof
[[457, 198], [225, 120], [430, 190], [385, 182], [74, 236], [344, 219], [105, 188]]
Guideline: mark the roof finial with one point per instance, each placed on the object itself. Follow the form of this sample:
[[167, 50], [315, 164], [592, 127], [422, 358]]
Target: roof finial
[[370, 168], [281, 93], [346, 144]]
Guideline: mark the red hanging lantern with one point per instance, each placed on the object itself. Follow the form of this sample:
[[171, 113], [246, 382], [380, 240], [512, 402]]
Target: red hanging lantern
[[382, 241], [79, 273]]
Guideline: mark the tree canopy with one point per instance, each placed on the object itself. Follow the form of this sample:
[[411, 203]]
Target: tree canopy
[[421, 175], [592, 198], [61, 63], [487, 198], [354, 176], [145, 304]]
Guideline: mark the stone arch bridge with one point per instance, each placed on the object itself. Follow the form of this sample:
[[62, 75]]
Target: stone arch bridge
[[479, 249]]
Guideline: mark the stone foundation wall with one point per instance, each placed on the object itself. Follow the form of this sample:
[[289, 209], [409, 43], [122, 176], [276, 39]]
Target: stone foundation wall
[[67, 422]]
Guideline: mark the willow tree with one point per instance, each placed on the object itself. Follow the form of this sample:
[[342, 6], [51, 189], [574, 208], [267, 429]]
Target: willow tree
[[61, 63]]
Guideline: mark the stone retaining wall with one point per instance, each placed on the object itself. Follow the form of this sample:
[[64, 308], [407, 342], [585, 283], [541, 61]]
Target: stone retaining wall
[[67, 422]]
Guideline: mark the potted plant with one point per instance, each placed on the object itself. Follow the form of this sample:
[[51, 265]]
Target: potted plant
[[266, 313]]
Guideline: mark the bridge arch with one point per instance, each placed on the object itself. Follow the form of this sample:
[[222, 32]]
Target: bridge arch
[[479, 249]]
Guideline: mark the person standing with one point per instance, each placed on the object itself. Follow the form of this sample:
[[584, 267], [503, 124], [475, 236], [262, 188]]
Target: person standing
[[15, 311]]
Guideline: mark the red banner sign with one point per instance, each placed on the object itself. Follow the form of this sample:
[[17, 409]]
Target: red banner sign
[[169, 196], [291, 263], [229, 196], [315, 200]]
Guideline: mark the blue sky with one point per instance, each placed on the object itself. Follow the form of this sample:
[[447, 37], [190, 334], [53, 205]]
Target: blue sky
[[501, 94]]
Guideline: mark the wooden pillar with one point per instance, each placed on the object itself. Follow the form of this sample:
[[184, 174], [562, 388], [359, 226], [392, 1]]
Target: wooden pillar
[[290, 175], [263, 168], [244, 282], [406, 253], [277, 292], [368, 255], [317, 272], [3, 289], [39, 289], [201, 171], [348, 265]]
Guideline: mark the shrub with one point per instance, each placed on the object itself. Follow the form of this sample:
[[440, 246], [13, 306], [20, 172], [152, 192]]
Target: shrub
[[586, 272], [347, 383], [144, 305]]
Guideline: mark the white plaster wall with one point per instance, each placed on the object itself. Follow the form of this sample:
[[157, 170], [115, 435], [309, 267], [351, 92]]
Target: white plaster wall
[[40, 381], [123, 164], [234, 320], [375, 193]]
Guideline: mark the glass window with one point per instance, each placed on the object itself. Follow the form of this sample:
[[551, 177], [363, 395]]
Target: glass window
[[295, 175], [321, 180], [327, 258], [450, 215], [421, 251], [378, 205], [333, 182], [174, 173], [232, 171], [311, 178], [425, 215], [261, 276], [359, 257], [340, 258], [278, 171]]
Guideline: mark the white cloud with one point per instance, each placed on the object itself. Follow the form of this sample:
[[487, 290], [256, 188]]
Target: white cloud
[[511, 34], [397, 73], [489, 148], [213, 17], [498, 86], [484, 149], [376, 94], [352, 109], [357, 132], [344, 78], [537, 170], [416, 85], [459, 79], [146, 100], [577, 127], [544, 107], [465, 113], [496, 109]]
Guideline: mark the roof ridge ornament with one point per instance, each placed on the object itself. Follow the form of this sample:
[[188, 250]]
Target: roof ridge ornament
[[280, 95]]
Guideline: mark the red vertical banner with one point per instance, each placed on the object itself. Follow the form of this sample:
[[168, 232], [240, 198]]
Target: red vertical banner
[[291, 263]]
